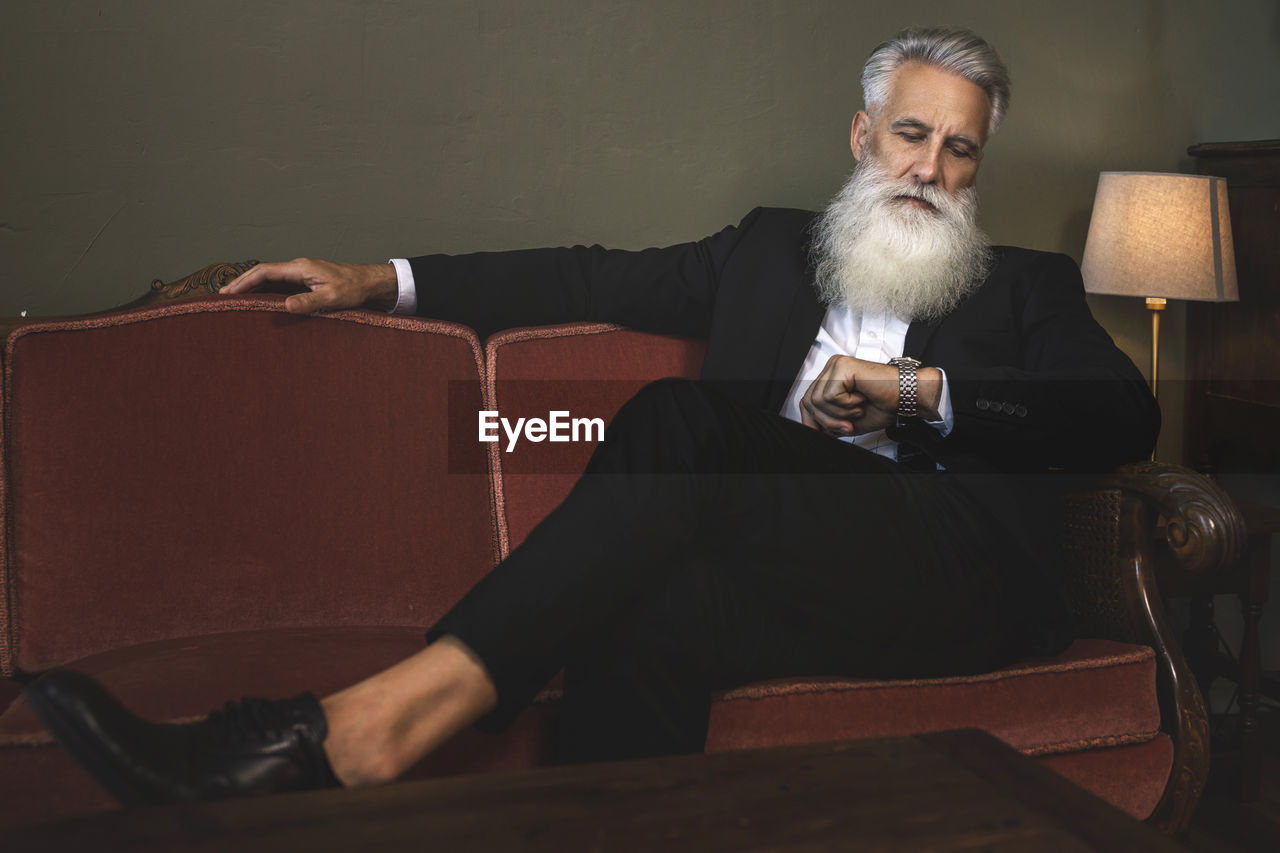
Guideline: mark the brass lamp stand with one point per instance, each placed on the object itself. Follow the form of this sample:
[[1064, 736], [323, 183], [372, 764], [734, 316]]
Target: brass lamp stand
[[1156, 304]]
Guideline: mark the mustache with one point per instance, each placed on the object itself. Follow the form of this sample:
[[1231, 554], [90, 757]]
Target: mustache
[[922, 192], [886, 189]]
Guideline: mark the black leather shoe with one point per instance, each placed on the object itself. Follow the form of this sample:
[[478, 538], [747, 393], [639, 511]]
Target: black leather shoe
[[254, 746]]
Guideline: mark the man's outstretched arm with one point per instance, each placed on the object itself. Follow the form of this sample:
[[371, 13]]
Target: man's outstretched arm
[[332, 286]]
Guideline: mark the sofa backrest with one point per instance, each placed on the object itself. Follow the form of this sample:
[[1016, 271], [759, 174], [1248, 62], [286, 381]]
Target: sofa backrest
[[586, 370], [222, 465]]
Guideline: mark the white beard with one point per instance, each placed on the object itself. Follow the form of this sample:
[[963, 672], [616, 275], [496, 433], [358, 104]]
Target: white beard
[[874, 252]]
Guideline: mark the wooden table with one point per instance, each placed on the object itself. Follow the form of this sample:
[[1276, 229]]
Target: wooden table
[[960, 790]]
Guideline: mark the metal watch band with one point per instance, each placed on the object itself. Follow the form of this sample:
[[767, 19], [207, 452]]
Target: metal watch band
[[908, 393]]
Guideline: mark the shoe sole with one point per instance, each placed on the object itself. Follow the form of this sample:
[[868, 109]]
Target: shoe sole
[[84, 749]]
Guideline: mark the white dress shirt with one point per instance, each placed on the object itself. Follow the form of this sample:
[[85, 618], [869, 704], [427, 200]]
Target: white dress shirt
[[871, 337]]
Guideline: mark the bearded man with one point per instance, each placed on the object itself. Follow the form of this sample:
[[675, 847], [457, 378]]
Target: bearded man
[[860, 484]]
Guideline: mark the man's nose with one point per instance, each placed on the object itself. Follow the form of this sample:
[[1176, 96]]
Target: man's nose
[[925, 168]]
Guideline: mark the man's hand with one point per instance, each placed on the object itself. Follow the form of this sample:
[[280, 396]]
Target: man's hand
[[854, 397], [333, 286]]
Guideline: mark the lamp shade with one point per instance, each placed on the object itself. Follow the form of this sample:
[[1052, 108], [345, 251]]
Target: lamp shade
[[1161, 235]]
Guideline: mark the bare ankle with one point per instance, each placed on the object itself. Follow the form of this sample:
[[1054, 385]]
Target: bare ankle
[[382, 726], [358, 745]]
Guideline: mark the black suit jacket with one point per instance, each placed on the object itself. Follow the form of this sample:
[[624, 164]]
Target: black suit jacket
[[1037, 386]]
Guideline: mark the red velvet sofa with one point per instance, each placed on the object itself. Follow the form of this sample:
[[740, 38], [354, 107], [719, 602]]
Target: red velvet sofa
[[210, 498]]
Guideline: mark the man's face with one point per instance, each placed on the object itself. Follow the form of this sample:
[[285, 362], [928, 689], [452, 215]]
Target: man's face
[[902, 233], [930, 130]]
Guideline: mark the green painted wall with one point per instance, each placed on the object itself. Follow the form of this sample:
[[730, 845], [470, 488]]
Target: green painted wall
[[146, 139]]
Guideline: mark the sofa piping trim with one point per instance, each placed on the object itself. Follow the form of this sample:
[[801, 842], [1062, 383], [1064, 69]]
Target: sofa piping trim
[[490, 390], [1139, 654]]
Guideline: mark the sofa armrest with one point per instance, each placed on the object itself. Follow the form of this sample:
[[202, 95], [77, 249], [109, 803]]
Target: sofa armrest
[[1199, 532], [1146, 525]]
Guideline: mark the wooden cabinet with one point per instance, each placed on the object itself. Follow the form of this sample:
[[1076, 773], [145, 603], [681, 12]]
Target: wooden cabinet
[[1233, 423], [1233, 349]]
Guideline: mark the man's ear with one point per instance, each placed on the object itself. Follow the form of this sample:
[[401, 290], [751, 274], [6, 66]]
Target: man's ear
[[858, 133]]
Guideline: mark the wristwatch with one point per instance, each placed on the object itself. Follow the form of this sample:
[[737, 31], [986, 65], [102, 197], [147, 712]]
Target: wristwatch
[[908, 394]]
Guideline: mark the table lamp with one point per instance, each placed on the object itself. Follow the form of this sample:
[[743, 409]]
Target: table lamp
[[1161, 236]]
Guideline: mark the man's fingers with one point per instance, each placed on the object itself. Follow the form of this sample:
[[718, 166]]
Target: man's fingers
[[255, 277], [832, 405], [298, 271], [246, 281], [824, 423], [850, 397], [832, 426], [832, 423]]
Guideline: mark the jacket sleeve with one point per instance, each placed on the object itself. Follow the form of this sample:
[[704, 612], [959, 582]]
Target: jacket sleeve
[[667, 290], [1070, 399]]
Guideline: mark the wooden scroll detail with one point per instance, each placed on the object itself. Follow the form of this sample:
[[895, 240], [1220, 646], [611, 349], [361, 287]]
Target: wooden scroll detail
[[208, 280], [1202, 528]]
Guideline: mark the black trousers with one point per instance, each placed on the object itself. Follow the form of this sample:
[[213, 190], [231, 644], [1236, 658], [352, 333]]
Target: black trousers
[[709, 544]]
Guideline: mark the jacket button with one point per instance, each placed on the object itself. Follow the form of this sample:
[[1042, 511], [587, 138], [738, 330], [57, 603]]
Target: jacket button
[[1008, 408], [1020, 410], [983, 405]]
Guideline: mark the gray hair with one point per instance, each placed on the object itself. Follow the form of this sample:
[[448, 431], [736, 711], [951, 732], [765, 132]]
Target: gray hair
[[958, 51]]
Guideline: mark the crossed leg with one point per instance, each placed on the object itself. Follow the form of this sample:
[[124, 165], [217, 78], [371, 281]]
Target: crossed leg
[[707, 545]]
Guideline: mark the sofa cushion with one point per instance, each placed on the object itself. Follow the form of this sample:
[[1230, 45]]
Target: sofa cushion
[[1097, 693], [1090, 714], [1131, 778], [222, 465], [586, 369]]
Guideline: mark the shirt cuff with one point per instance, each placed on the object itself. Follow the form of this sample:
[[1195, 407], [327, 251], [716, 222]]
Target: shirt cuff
[[946, 417], [407, 299]]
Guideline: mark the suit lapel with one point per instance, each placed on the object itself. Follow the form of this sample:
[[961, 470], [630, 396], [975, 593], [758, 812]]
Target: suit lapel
[[803, 320], [919, 333]]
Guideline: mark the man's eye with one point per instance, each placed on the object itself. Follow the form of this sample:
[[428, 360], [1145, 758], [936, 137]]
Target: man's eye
[[911, 137], [961, 152]]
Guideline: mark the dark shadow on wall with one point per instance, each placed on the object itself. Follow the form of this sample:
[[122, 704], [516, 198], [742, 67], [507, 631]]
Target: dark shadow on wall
[[1075, 231]]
